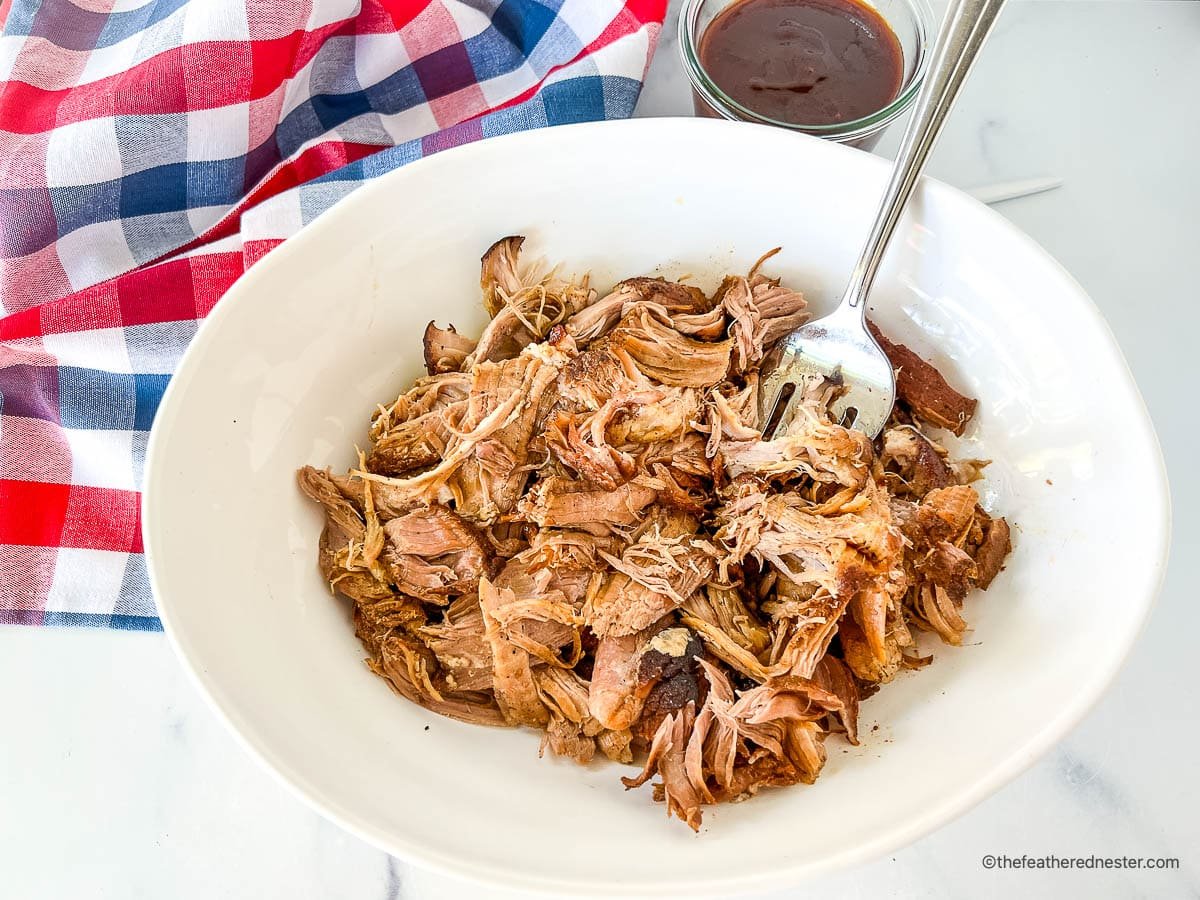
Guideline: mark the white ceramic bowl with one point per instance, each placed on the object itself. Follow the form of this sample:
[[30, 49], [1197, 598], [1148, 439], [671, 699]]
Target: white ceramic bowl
[[289, 366]]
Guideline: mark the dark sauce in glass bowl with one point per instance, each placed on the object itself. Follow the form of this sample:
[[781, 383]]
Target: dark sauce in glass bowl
[[804, 62]]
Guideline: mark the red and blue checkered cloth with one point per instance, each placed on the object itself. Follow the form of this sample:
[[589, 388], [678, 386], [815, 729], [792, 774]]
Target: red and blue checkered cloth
[[152, 150]]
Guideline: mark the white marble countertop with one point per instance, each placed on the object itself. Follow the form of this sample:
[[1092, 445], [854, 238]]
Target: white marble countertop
[[117, 782]]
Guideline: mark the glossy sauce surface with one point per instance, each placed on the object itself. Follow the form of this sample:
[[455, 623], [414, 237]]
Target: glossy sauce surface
[[805, 62]]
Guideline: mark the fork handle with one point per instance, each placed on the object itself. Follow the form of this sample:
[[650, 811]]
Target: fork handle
[[962, 34]]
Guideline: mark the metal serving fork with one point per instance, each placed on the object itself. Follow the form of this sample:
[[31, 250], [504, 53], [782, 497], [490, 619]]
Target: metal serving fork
[[838, 347]]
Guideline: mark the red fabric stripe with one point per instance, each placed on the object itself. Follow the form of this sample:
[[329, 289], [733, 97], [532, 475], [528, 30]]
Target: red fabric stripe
[[182, 79], [647, 10], [630, 20], [37, 512], [63, 515], [103, 519], [256, 250], [159, 294], [401, 12], [176, 290], [213, 274], [24, 324]]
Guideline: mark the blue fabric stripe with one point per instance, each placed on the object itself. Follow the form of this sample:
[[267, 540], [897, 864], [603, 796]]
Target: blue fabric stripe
[[100, 620], [122, 25], [75, 207], [399, 91], [105, 401], [161, 189], [522, 31], [523, 22], [148, 392], [577, 100], [597, 95], [20, 16], [215, 182], [136, 600], [332, 110]]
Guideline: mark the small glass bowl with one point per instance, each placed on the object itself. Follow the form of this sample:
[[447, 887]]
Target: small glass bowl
[[912, 21]]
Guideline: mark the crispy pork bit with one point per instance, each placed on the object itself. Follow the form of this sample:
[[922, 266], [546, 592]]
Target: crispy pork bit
[[918, 464], [574, 524], [921, 388], [669, 678], [414, 444], [991, 553]]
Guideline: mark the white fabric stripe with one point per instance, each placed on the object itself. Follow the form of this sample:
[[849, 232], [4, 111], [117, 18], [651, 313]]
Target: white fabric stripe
[[470, 22], [224, 21], [326, 12], [201, 218], [86, 581], [503, 88], [156, 347], [102, 459], [625, 57], [222, 132], [376, 56], [105, 62], [10, 44], [588, 20], [93, 253], [83, 153], [98, 348]]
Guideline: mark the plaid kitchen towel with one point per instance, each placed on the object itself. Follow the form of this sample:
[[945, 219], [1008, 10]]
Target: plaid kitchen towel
[[151, 150]]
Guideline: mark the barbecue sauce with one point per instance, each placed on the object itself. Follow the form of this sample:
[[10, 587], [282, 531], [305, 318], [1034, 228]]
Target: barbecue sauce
[[804, 62]]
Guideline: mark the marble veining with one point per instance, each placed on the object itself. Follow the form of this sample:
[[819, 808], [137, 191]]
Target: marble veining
[[116, 780]]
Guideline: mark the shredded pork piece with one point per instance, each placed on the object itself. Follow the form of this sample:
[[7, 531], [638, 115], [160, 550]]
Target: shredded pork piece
[[431, 553], [445, 349], [762, 311], [613, 698], [573, 524]]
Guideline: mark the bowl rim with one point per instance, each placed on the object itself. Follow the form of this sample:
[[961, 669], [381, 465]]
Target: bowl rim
[[447, 863]]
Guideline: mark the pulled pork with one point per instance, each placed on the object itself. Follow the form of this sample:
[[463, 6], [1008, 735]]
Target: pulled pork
[[574, 524]]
